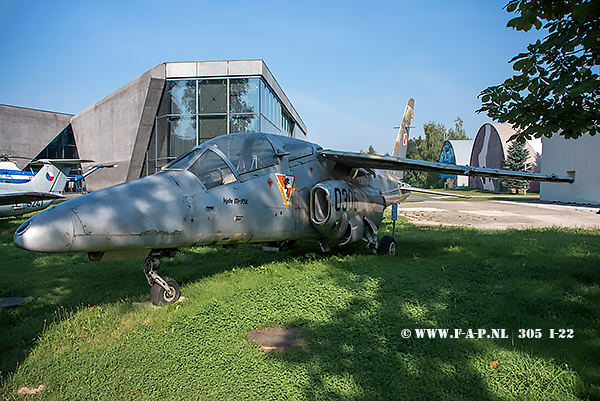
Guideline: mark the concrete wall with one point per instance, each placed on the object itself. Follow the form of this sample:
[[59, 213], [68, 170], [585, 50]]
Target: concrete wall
[[117, 129], [579, 155], [26, 132]]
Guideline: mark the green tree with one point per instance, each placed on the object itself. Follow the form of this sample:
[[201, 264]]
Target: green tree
[[556, 89], [516, 160], [370, 151], [414, 178], [458, 132], [429, 149]]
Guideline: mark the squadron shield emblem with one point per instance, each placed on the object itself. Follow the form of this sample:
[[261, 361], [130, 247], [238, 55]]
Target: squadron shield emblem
[[286, 186]]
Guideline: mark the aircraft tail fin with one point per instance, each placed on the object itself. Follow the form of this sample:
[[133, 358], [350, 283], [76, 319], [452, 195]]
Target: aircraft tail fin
[[402, 137], [52, 177]]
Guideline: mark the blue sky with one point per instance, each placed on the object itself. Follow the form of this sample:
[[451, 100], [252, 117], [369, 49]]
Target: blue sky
[[347, 67]]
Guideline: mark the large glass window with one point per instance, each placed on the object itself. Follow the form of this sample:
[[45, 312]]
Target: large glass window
[[244, 123], [182, 134], [287, 123], [212, 127], [179, 98], [213, 96], [61, 147], [267, 127], [159, 148], [244, 95], [212, 170], [271, 111], [193, 111]]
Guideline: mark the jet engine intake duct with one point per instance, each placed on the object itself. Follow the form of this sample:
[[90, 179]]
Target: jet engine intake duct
[[338, 209], [320, 205]]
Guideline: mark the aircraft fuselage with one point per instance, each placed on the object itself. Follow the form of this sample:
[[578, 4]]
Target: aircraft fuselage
[[295, 196]]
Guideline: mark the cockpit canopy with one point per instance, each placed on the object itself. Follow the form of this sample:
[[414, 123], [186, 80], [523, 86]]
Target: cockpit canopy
[[213, 161]]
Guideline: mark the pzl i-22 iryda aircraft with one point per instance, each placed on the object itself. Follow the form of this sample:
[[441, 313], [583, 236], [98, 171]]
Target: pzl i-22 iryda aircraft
[[236, 189]]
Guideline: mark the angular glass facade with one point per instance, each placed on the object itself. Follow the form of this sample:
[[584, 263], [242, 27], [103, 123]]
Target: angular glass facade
[[193, 111], [61, 147]]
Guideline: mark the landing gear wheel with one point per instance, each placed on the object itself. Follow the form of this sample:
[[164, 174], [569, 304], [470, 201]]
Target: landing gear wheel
[[277, 246], [387, 246], [160, 296]]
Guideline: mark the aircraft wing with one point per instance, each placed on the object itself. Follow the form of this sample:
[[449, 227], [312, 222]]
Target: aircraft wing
[[368, 161], [60, 161], [24, 197]]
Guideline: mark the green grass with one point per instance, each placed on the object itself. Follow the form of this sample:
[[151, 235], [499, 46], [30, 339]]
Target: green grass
[[80, 337]]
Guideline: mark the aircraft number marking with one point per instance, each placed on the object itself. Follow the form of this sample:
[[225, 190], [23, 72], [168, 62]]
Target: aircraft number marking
[[235, 201], [344, 199], [28, 205]]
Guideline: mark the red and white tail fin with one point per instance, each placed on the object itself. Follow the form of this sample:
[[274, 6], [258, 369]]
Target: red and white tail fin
[[402, 138]]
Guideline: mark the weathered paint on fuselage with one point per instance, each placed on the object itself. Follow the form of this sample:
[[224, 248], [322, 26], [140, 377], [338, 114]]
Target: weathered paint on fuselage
[[173, 209]]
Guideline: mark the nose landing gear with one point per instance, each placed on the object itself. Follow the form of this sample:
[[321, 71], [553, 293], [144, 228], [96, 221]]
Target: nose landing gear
[[164, 290]]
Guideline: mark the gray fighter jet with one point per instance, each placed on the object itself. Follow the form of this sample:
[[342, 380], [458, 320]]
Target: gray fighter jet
[[236, 189]]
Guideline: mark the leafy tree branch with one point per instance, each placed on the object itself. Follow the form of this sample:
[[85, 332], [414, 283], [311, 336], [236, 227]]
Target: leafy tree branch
[[557, 87]]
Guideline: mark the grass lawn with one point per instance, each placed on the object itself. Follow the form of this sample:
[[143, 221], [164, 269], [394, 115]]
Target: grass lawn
[[79, 337]]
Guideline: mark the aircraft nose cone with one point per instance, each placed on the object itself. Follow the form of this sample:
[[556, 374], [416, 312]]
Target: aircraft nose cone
[[49, 231]]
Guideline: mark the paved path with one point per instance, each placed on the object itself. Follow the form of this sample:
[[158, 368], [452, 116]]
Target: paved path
[[497, 214]]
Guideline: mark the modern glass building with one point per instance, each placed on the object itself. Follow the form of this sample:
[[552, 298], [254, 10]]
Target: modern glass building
[[155, 118], [174, 106], [196, 109]]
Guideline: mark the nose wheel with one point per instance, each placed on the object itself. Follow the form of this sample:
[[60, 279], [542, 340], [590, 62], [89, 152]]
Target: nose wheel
[[161, 295], [164, 290]]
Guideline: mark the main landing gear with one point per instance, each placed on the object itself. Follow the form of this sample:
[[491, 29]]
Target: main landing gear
[[164, 290], [387, 246]]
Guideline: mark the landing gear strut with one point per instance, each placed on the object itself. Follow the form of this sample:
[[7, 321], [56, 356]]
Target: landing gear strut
[[163, 290], [370, 235]]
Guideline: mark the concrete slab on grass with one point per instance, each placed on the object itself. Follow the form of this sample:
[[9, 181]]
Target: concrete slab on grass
[[276, 338], [427, 212]]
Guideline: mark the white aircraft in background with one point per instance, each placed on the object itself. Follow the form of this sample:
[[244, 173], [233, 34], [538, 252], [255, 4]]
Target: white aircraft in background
[[40, 191]]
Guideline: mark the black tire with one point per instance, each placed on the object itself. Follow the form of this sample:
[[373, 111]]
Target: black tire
[[387, 246], [159, 296]]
